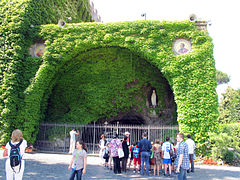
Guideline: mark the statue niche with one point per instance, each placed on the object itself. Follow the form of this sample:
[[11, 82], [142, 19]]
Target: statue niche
[[153, 102]]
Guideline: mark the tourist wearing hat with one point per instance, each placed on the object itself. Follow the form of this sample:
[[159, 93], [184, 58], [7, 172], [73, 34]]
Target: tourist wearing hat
[[127, 134]]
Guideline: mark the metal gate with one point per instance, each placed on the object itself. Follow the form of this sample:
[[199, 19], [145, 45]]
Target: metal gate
[[56, 137]]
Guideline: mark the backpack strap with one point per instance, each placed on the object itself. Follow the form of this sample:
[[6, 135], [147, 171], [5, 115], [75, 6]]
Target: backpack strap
[[17, 145]]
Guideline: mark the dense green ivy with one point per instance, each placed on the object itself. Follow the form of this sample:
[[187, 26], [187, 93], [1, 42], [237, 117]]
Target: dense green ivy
[[19, 20], [25, 96], [100, 84]]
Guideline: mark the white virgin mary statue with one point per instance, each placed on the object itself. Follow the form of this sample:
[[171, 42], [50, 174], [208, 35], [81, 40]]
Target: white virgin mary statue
[[154, 99]]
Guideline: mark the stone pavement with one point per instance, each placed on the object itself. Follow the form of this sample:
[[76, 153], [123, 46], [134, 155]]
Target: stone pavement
[[45, 166]]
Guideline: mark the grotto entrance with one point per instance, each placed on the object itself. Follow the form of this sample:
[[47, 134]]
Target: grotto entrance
[[129, 118]]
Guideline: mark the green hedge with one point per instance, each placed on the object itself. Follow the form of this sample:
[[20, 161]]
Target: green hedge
[[192, 76]]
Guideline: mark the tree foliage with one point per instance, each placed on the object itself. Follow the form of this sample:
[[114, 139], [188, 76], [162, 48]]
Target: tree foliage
[[222, 78], [229, 108]]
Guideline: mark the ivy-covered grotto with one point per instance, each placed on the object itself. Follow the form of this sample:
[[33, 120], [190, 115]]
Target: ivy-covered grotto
[[81, 71]]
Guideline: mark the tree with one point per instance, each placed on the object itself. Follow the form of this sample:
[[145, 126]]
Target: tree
[[222, 78], [229, 108]]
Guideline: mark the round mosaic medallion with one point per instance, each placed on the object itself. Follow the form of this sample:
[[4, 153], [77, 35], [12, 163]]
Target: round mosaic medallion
[[37, 49], [181, 46]]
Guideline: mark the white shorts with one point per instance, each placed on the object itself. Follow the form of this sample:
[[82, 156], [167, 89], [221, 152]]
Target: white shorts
[[10, 174]]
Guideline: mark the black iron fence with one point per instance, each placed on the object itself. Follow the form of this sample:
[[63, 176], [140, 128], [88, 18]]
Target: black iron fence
[[56, 137]]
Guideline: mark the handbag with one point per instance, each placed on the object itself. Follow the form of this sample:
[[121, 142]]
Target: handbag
[[106, 155], [120, 153], [172, 154], [171, 151], [152, 161], [173, 157]]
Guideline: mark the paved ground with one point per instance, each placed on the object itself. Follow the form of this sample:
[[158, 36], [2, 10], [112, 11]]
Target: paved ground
[[42, 166]]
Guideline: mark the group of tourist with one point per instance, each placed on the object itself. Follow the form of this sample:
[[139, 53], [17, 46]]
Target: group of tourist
[[161, 157], [110, 152]]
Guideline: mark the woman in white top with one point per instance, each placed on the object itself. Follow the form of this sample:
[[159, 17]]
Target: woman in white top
[[102, 146], [15, 173]]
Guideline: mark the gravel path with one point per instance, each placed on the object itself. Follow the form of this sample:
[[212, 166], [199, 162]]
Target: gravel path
[[44, 166]]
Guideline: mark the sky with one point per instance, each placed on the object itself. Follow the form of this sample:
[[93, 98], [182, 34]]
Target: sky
[[224, 30]]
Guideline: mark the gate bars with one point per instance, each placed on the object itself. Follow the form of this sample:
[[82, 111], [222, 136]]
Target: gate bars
[[56, 137]]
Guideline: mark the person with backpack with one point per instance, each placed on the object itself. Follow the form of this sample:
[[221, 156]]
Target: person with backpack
[[106, 155], [145, 146], [167, 151], [136, 157], [14, 151], [131, 155]]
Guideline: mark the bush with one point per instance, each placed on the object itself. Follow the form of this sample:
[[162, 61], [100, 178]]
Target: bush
[[227, 136], [233, 130], [228, 156]]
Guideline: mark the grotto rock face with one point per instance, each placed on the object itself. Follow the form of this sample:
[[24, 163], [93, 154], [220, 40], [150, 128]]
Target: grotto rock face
[[159, 115]]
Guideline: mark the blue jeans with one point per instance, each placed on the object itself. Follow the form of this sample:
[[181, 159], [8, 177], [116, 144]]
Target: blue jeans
[[145, 158], [182, 175], [78, 173], [192, 162]]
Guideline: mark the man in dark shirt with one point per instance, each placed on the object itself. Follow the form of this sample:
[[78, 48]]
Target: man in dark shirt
[[145, 147]]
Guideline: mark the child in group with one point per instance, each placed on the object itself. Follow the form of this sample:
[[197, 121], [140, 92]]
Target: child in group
[[136, 157], [106, 155], [110, 159], [131, 156]]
